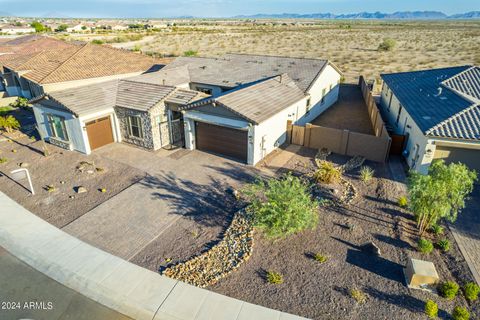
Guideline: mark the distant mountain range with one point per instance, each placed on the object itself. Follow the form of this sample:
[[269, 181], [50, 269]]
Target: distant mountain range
[[408, 15]]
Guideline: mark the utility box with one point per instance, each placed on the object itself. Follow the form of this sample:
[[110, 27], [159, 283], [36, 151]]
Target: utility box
[[420, 274]]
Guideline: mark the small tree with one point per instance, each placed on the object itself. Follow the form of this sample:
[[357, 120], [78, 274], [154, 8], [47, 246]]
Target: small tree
[[38, 26], [61, 28], [387, 44], [281, 206], [441, 194]]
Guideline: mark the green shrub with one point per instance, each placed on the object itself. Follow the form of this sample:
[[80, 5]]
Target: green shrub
[[358, 295], [19, 103], [471, 291], [387, 44], [9, 123], [366, 173], [320, 258], [448, 289], [327, 173], [444, 245], [3, 160], [274, 277], [425, 246], [460, 313], [281, 206], [190, 53], [402, 201], [431, 309], [97, 41], [437, 229]]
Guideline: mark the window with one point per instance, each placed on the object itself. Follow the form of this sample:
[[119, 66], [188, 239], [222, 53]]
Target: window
[[135, 127], [324, 91], [398, 115], [205, 90], [57, 127], [309, 103]]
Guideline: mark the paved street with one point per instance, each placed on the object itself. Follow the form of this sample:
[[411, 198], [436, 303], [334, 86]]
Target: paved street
[[45, 298]]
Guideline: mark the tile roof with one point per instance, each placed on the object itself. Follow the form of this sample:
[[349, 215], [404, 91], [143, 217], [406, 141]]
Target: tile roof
[[140, 96], [86, 99], [466, 83], [436, 101], [169, 77], [232, 70], [258, 101], [185, 96]]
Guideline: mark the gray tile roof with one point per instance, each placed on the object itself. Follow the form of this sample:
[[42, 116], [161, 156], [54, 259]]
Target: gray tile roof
[[185, 96], [466, 83], [85, 100], [140, 96], [169, 77], [232, 70], [258, 101], [436, 108]]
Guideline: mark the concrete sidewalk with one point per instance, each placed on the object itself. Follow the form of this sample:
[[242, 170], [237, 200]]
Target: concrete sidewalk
[[111, 281]]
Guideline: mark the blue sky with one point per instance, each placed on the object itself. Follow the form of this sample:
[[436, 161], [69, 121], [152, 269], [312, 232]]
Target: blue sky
[[223, 8]]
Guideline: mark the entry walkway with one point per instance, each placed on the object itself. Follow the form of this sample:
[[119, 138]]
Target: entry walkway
[[115, 283]]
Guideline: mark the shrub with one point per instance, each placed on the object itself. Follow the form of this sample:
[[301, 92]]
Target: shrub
[[327, 173], [431, 309], [320, 258], [448, 289], [444, 245], [19, 103], [460, 313], [274, 277], [97, 41], [387, 44], [3, 160], [402, 201], [281, 206], [9, 123], [366, 173], [471, 291], [425, 246], [190, 53], [437, 229], [358, 295]]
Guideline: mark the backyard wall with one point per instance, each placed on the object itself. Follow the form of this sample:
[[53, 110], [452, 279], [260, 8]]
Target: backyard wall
[[372, 147]]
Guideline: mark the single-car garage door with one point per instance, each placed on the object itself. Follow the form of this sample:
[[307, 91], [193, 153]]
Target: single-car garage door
[[99, 132], [470, 157], [222, 140]]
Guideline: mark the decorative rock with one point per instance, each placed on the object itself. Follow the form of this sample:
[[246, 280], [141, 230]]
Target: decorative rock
[[90, 171], [23, 164], [81, 189], [72, 197], [62, 182], [209, 267], [372, 248]]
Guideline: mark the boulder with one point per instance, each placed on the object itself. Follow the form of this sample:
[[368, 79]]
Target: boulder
[[81, 189], [372, 248]]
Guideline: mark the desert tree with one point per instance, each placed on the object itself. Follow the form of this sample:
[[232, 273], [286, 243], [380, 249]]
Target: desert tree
[[440, 194]]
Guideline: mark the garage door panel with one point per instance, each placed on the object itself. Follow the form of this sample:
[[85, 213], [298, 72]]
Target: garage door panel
[[222, 140], [99, 132], [469, 157]]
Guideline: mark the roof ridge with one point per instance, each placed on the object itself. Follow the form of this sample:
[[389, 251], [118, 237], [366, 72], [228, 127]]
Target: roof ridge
[[145, 82], [451, 118], [273, 56], [458, 74], [424, 70], [81, 47]]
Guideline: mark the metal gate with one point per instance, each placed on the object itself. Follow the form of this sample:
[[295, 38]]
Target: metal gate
[[176, 133]]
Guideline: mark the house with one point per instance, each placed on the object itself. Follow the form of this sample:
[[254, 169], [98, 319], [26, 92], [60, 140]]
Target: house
[[61, 65], [439, 112], [237, 106], [16, 29], [79, 28]]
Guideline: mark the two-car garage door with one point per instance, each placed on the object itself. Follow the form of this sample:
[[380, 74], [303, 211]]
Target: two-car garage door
[[222, 140], [470, 157]]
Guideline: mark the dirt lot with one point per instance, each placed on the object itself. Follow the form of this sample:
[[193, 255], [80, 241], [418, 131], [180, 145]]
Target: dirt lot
[[60, 170], [352, 45], [321, 291]]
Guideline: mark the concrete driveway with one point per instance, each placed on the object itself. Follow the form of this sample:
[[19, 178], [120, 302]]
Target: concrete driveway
[[177, 184]]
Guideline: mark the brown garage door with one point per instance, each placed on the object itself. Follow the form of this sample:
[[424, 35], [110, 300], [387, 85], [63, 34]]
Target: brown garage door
[[470, 157], [222, 140], [99, 132]]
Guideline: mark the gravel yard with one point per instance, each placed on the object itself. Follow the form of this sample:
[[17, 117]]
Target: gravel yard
[[321, 291]]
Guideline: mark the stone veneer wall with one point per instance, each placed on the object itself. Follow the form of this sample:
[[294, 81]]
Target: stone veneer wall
[[147, 141]]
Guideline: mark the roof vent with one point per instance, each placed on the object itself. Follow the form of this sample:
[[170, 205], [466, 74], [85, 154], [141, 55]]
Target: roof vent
[[427, 117]]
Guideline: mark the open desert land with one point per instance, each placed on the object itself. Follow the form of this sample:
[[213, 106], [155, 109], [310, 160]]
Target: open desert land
[[352, 45]]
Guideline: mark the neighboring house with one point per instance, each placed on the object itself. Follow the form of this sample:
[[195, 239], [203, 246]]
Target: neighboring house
[[78, 28], [237, 106], [119, 27], [439, 111], [30, 74], [16, 30]]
